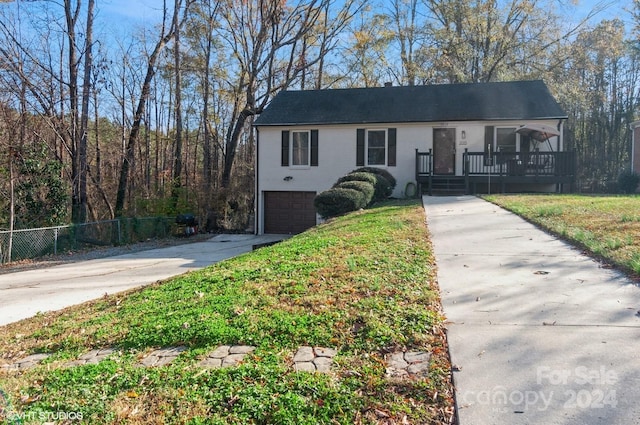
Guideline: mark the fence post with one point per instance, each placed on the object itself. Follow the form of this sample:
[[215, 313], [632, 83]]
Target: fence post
[[119, 235], [55, 241], [10, 246]]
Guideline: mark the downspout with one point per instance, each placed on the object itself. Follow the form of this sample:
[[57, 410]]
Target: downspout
[[561, 137], [257, 197], [560, 146]]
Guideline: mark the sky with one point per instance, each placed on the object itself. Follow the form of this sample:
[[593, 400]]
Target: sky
[[611, 8], [136, 12], [130, 10], [119, 18]]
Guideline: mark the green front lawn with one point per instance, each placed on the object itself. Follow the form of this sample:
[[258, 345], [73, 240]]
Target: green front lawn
[[607, 226], [362, 283]]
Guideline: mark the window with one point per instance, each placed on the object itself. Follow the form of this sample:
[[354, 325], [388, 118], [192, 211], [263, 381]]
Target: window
[[300, 148], [376, 147], [506, 139]]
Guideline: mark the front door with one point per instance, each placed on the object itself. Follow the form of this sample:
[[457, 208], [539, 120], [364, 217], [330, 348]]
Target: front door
[[444, 151]]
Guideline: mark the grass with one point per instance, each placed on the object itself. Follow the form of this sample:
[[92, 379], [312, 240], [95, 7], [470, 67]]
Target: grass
[[362, 283], [606, 226]]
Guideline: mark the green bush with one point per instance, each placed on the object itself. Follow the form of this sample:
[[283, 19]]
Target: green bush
[[366, 188], [385, 182], [360, 177], [378, 172], [628, 182], [338, 201], [383, 188]]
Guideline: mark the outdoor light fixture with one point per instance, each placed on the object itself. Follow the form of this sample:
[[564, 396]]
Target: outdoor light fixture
[[463, 134]]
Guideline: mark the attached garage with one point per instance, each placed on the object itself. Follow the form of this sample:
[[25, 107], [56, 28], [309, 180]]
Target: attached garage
[[288, 212]]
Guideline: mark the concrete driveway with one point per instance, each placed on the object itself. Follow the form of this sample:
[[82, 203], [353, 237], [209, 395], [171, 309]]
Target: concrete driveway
[[539, 333], [23, 294]]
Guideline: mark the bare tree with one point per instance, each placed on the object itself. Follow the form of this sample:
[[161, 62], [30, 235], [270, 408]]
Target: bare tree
[[408, 18], [80, 211], [267, 41], [167, 32]]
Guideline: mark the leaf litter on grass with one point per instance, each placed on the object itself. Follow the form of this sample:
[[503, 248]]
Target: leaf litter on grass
[[363, 284], [604, 225]]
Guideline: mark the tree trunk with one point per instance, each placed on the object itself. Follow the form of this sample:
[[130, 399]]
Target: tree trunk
[[231, 146], [177, 159], [12, 204], [71, 17], [81, 207], [206, 164], [129, 155]]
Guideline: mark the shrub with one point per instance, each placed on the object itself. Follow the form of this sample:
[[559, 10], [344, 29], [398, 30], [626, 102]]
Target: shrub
[[383, 188], [628, 182], [338, 201], [366, 188], [360, 177], [385, 182], [378, 172]]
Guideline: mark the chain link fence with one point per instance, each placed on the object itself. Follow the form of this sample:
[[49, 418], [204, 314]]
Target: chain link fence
[[34, 243]]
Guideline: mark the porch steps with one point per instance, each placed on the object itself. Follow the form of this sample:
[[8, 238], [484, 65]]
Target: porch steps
[[448, 186]]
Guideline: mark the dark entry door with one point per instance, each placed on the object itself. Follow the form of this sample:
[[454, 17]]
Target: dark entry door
[[444, 151]]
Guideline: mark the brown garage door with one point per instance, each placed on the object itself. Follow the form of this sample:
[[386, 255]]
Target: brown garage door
[[288, 212]]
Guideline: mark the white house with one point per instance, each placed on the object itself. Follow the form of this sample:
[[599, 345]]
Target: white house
[[447, 138]]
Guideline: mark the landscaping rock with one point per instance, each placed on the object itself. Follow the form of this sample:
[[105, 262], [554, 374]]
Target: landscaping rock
[[226, 356], [323, 364], [25, 363], [241, 349], [304, 354], [92, 357], [163, 356], [211, 362], [313, 359], [304, 367], [325, 352], [232, 360], [408, 364], [220, 352]]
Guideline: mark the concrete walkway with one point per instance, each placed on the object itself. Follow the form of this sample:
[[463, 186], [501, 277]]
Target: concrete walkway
[[538, 333], [23, 294]]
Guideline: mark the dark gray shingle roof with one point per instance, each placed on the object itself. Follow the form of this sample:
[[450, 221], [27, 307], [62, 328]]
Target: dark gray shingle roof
[[518, 100]]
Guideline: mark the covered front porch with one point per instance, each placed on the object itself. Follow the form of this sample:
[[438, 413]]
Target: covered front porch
[[514, 171]]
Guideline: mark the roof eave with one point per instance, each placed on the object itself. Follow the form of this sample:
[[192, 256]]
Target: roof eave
[[309, 123]]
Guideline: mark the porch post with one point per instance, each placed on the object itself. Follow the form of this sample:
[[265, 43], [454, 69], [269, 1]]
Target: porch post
[[418, 173], [465, 165], [430, 172]]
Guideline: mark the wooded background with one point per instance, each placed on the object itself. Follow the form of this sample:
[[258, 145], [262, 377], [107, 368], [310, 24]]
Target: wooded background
[[159, 121]]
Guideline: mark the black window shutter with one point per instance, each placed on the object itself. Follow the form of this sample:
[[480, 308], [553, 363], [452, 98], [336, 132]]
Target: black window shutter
[[391, 154], [314, 148], [360, 148], [285, 148]]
